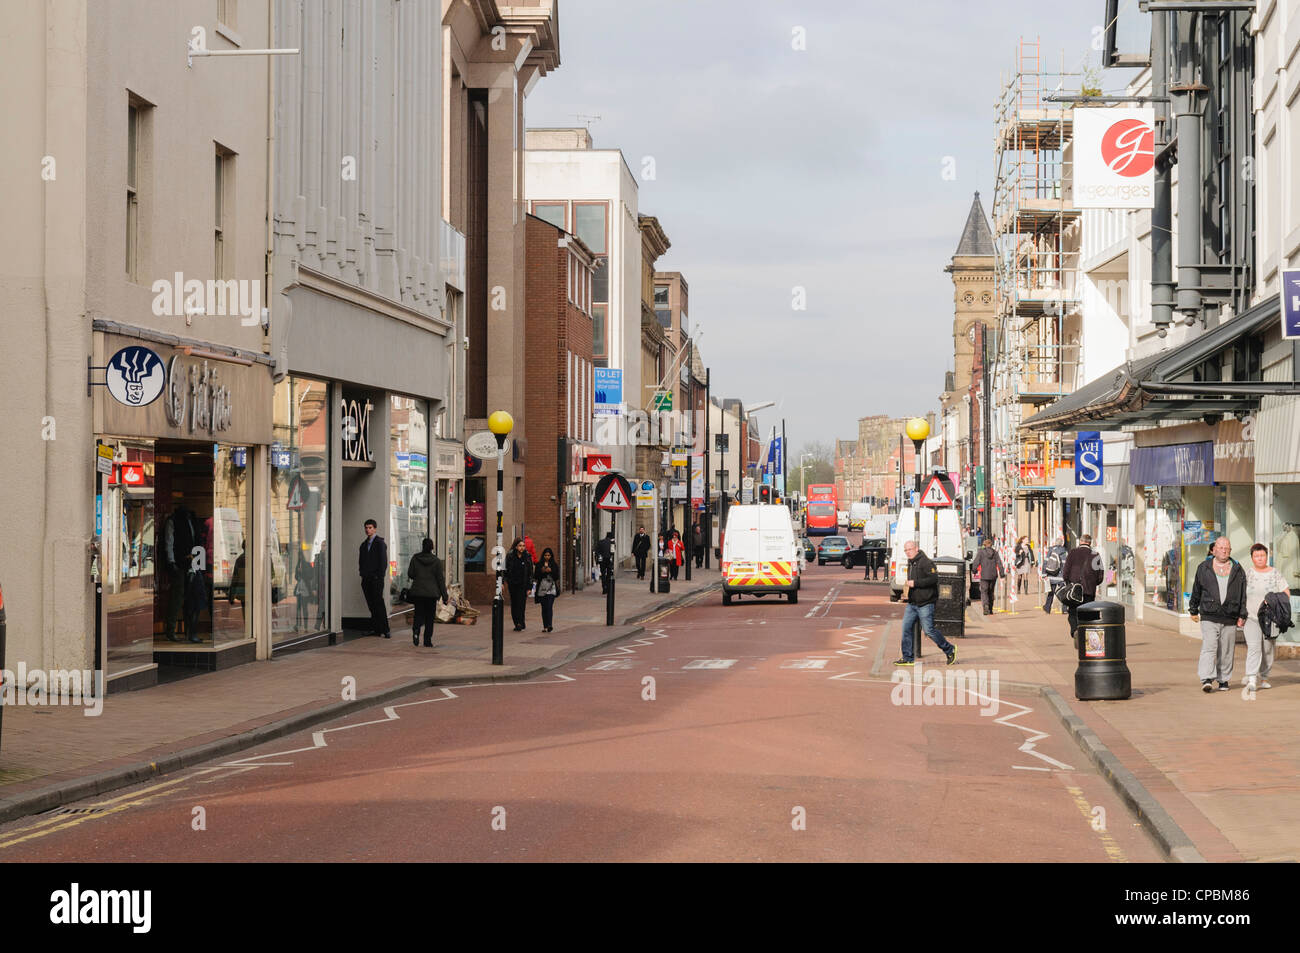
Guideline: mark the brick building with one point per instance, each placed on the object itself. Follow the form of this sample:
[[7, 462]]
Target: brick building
[[558, 364]]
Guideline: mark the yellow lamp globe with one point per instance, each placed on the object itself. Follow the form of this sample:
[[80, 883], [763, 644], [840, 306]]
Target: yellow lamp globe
[[918, 428], [501, 423]]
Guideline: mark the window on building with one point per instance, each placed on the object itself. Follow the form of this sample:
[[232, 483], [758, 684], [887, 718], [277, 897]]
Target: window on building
[[554, 212], [589, 224], [598, 312], [661, 296], [227, 11], [665, 317], [221, 190], [133, 137], [600, 280]]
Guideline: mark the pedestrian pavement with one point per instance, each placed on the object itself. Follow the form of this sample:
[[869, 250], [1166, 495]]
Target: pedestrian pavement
[[1224, 766], [52, 755]]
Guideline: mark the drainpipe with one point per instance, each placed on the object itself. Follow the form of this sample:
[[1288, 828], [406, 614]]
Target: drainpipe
[[1162, 285], [1187, 118]]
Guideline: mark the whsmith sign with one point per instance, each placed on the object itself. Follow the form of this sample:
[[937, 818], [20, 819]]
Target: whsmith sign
[[200, 398]]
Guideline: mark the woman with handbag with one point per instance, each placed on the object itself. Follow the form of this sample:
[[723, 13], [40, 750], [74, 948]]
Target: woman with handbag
[[547, 577], [519, 579], [428, 585]]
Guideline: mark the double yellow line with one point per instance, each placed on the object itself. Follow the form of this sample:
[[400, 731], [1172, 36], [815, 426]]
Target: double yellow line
[[61, 822]]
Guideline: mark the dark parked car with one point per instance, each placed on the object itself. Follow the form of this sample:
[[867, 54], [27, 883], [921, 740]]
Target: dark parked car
[[809, 550], [858, 558], [832, 549]]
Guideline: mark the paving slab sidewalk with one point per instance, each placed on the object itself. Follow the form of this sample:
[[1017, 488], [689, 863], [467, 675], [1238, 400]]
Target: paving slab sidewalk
[[51, 755], [1225, 766]]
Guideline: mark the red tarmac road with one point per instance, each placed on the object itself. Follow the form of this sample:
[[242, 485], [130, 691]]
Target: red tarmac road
[[765, 740]]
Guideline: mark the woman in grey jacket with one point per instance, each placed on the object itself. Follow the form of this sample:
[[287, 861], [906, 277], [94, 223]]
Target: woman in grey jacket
[[428, 585]]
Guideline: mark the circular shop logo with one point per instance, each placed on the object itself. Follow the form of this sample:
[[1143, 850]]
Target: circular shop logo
[[135, 376], [1128, 148]]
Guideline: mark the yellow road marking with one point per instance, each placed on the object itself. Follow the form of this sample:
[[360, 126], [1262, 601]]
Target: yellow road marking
[[64, 821], [1108, 844]]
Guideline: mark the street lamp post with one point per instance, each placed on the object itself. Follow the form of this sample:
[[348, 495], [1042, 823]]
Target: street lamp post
[[500, 423], [918, 428]]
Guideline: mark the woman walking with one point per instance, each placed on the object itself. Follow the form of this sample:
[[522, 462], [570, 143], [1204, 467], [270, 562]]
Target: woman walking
[[428, 585], [1261, 579], [677, 552], [519, 579], [1024, 556], [547, 577]]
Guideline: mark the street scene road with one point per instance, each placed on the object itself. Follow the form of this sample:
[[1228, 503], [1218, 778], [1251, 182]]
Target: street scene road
[[754, 732]]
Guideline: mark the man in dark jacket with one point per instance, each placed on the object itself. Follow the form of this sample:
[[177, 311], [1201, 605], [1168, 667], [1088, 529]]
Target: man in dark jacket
[[1083, 566], [922, 592], [605, 560], [1051, 568], [991, 570], [1218, 604], [373, 565], [640, 549], [697, 544], [428, 586]]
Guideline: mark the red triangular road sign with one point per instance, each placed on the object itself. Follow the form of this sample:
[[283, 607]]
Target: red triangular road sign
[[614, 498], [936, 493]]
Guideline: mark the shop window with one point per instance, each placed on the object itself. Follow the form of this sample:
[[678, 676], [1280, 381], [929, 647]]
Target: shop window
[[1285, 553], [1164, 553], [298, 528], [128, 555], [408, 469], [476, 525]]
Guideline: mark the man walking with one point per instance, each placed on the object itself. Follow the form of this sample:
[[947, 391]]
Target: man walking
[[1083, 566], [922, 591], [1051, 568], [697, 544], [640, 549], [373, 563], [1218, 603], [605, 560], [991, 570]]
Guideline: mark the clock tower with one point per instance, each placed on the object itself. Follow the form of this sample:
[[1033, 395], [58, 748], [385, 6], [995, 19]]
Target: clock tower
[[972, 282]]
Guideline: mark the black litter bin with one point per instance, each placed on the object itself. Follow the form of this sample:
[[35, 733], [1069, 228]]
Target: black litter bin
[[1103, 672], [664, 573], [950, 610]]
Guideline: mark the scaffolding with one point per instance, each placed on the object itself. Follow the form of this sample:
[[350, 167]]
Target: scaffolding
[[1036, 242]]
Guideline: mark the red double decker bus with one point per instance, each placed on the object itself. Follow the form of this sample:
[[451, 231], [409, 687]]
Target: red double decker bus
[[823, 510]]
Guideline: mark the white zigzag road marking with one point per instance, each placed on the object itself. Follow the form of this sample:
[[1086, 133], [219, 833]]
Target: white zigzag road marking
[[857, 638], [845, 678], [628, 650], [1035, 735]]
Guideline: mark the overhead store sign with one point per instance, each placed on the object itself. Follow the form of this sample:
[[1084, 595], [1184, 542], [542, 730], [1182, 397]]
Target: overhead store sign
[[1088, 458], [1291, 303], [1114, 157]]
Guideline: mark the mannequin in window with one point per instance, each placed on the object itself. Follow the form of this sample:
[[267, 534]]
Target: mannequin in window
[[182, 531]]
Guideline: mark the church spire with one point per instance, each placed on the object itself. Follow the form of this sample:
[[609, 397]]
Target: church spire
[[976, 239]]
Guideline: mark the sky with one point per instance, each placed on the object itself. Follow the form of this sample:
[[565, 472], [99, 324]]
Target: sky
[[821, 168]]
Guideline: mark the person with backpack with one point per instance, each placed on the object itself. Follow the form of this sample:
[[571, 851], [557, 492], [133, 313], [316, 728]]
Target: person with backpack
[[1052, 566], [1262, 583], [1084, 567]]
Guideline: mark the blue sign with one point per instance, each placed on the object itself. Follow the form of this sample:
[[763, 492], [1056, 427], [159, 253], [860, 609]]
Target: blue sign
[[1088, 458], [282, 459], [99, 515], [1291, 302], [607, 389], [1180, 464], [774, 452], [647, 486], [240, 456]]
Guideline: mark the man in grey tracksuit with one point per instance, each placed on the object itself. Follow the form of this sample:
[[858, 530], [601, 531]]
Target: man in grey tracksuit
[[1218, 603]]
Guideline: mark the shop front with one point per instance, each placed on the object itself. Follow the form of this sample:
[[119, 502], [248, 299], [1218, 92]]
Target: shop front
[[578, 460], [180, 434], [449, 493]]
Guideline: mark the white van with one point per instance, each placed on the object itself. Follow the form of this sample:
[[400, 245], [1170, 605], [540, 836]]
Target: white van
[[859, 513], [936, 530], [760, 553]]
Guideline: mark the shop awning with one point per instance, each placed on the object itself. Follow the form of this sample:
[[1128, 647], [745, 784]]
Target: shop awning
[[1157, 387]]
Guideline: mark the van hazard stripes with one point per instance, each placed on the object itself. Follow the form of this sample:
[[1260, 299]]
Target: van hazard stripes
[[779, 573]]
